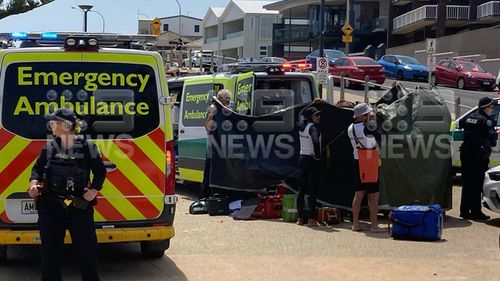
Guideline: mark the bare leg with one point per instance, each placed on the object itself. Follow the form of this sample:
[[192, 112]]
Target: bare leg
[[356, 207], [373, 199]]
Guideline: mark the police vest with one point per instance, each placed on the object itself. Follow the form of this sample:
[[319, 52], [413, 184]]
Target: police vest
[[63, 176], [306, 143]]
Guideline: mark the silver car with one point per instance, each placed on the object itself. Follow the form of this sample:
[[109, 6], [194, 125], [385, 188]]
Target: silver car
[[491, 189]]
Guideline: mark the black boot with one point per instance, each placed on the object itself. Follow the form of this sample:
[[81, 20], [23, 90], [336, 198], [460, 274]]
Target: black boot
[[480, 216]]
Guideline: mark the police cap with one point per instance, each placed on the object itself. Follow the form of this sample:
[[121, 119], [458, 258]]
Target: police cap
[[310, 111], [64, 115], [485, 102]]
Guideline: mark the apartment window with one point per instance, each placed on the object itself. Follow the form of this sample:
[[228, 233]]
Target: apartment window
[[252, 22], [263, 51], [266, 27], [196, 28], [165, 27]]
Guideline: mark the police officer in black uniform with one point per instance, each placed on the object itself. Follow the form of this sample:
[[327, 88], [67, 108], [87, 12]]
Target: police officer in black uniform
[[65, 194], [479, 138]]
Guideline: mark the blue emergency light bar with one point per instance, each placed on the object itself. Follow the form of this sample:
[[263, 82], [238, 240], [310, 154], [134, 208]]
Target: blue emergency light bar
[[49, 35], [19, 35]]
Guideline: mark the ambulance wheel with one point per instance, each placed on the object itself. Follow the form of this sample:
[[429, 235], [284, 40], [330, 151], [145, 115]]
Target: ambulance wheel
[[154, 249], [3, 254]]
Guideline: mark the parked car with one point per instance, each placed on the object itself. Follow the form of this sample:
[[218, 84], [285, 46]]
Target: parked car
[[273, 60], [358, 68], [404, 67], [203, 56], [491, 189], [463, 75], [331, 54]]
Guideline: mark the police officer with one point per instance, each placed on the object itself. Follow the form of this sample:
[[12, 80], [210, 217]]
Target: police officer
[[65, 195], [309, 164], [479, 138]]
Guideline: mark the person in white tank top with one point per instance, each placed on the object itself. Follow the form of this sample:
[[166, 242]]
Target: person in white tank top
[[362, 135], [309, 164]]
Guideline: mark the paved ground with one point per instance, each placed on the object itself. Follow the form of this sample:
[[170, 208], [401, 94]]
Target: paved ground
[[219, 248], [274, 250]]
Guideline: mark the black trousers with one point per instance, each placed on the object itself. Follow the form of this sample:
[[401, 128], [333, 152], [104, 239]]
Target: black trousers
[[53, 221], [309, 184], [474, 165], [205, 185]]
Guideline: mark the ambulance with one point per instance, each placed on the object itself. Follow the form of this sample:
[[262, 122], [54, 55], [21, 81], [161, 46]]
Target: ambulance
[[120, 94], [256, 89]]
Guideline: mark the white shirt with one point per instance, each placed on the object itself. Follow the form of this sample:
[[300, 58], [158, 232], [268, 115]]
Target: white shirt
[[367, 142]]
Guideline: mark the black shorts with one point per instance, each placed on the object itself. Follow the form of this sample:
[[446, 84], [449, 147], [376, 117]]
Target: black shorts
[[359, 186]]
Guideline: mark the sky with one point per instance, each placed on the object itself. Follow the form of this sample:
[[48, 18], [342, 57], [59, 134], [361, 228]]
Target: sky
[[120, 16]]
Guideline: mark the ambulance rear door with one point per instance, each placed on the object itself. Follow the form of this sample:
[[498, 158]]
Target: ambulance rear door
[[116, 95], [192, 139]]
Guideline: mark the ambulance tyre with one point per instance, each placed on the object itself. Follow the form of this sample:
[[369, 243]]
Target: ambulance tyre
[[3, 254], [154, 249]]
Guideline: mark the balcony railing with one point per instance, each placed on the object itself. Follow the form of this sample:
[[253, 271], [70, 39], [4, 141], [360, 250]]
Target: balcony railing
[[233, 35], [427, 12], [489, 9], [455, 12], [292, 33], [211, 40]]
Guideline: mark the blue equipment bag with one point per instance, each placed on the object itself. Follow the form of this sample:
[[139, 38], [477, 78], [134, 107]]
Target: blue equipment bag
[[417, 222]]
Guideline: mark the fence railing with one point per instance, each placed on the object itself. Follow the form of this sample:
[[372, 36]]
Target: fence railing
[[488, 9], [427, 12], [233, 35], [457, 106], [456, 12], [211, 39], [291, 33]]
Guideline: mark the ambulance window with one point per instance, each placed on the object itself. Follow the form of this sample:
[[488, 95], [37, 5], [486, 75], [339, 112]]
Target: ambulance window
[[197, 99], [114, 100]]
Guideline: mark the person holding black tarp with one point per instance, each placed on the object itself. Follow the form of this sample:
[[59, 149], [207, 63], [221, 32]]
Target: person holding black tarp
[[364, 137], [309, 164], [224, 97]]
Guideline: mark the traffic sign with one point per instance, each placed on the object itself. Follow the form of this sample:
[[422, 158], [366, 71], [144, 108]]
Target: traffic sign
[[431, 60], [347, 29], [347, 38], [431, 46], [155, 26], [322, 70]]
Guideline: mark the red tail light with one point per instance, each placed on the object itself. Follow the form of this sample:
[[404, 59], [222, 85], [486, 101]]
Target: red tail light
[[304, 66], [170, 172], [287, 66]]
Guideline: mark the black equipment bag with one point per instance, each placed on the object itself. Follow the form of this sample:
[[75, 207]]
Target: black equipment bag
[[199, 207], [218, 205]]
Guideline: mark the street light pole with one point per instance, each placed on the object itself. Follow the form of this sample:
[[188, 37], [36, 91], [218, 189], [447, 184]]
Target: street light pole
[[85, 9], [102, 17], [180, 13], [348, 21], [321, 39]]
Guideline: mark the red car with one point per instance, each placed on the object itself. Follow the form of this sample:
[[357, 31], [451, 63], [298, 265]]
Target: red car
[[358, 68], [463, 74]]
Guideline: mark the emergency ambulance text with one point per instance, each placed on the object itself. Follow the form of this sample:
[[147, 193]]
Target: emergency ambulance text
[[91, 80]]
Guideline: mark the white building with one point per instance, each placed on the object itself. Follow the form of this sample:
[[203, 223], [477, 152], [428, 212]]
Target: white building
[[190, 26], [242, 29]]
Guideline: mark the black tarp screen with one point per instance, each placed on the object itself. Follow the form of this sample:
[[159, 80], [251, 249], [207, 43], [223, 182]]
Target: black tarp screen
[[254, 153]]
